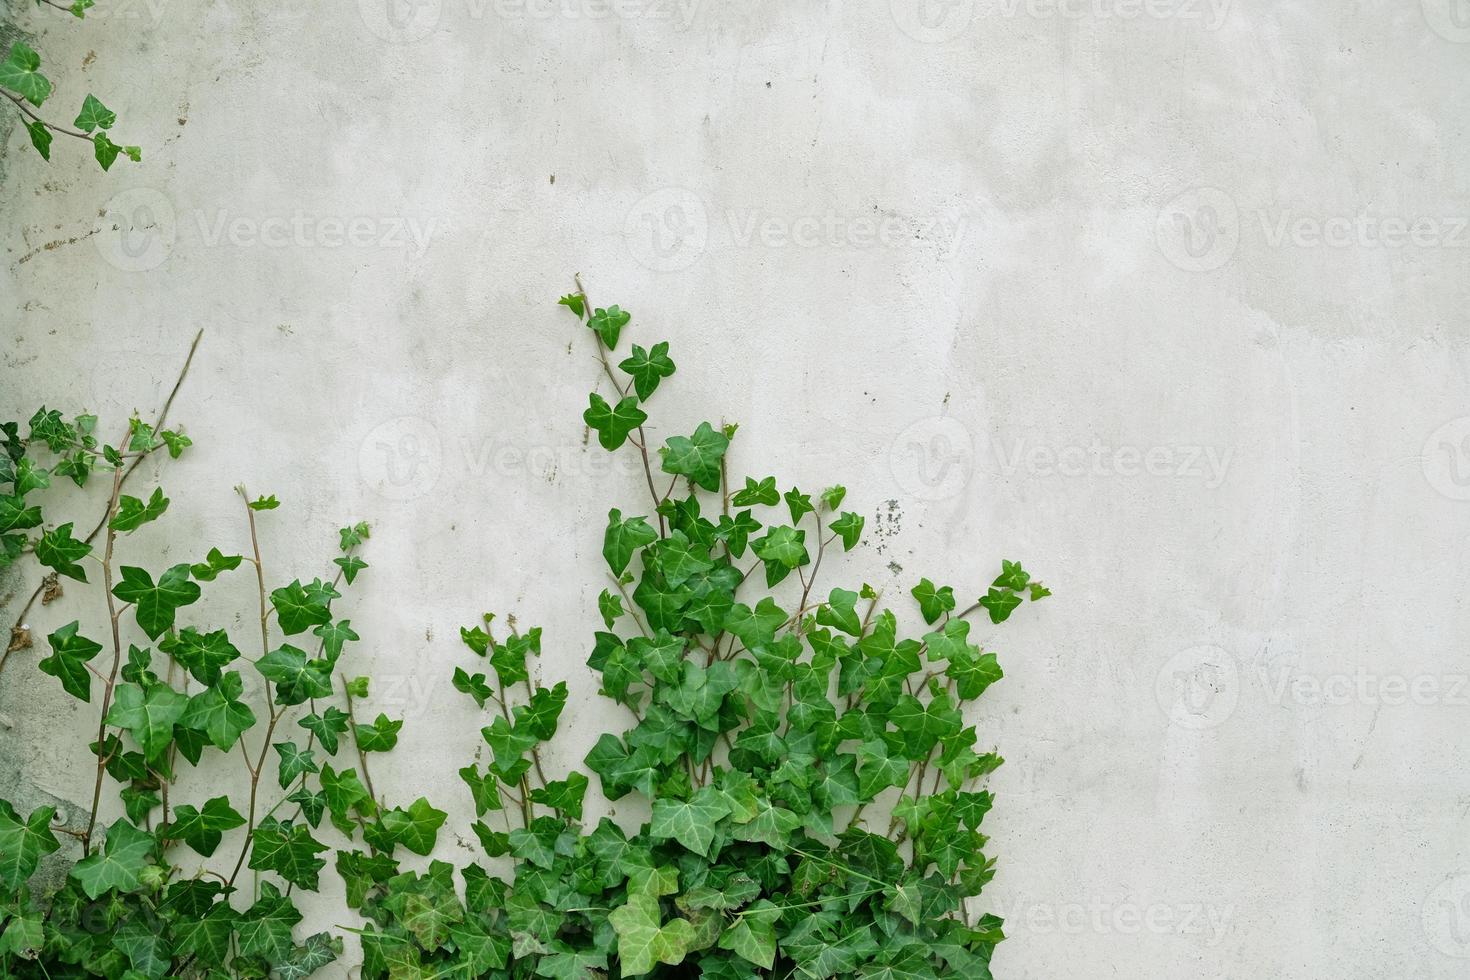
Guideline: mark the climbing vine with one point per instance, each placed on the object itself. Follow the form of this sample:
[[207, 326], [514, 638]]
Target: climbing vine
[[813, 788]]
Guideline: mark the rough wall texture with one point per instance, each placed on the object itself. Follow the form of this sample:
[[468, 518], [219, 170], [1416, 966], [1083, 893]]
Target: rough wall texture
[[1165, 297]]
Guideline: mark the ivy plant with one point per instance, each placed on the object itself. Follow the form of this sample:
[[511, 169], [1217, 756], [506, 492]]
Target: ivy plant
[[814, 790], [27, 88], [147, 878]]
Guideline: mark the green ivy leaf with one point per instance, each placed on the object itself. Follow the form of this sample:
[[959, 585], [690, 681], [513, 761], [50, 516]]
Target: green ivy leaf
[[214, 563], [415, 828], [642, 941], [848, 527], [218, 713], [473, 685], [294, 761], [484, 789], [379, 736], [70, 652], [155, 604], [20, 73], [203, 828], [16, 516], [23, 937], [133, 513], [800, 504], [933, 602], [119, 864], [764, 492], [563, 795], [608, 323], [921, 726], [289, 850], [297, 679], [94, 115], [328, 727], [265, 929], [573, 302], [207, 937], [610, 607], [40, 139], [1000, 604], [204, 655], [691, 822], [696, 457], [299, 608], [335, 636], [648, 368], [613, 422], [23, 843], [753, 936], [623, 538], [149, 714]]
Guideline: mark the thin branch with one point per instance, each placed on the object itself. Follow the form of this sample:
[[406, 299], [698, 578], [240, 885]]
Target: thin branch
[[361, 755], [275, 716], [21, 105], [113, 613]]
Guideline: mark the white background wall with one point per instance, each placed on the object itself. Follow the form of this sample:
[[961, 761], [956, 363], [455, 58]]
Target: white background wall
[[1166, 299]]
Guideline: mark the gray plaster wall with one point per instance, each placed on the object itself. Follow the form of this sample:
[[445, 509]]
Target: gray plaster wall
[[1166, 298]]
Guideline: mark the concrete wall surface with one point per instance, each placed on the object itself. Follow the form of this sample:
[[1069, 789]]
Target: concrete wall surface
[[1166, 298]]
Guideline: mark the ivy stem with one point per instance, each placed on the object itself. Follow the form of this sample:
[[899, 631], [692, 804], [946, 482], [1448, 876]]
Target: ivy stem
[[816, 567], [20, 104], [113, 614], [17, 628], [361, 755], [275, 716], [622, 391]]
